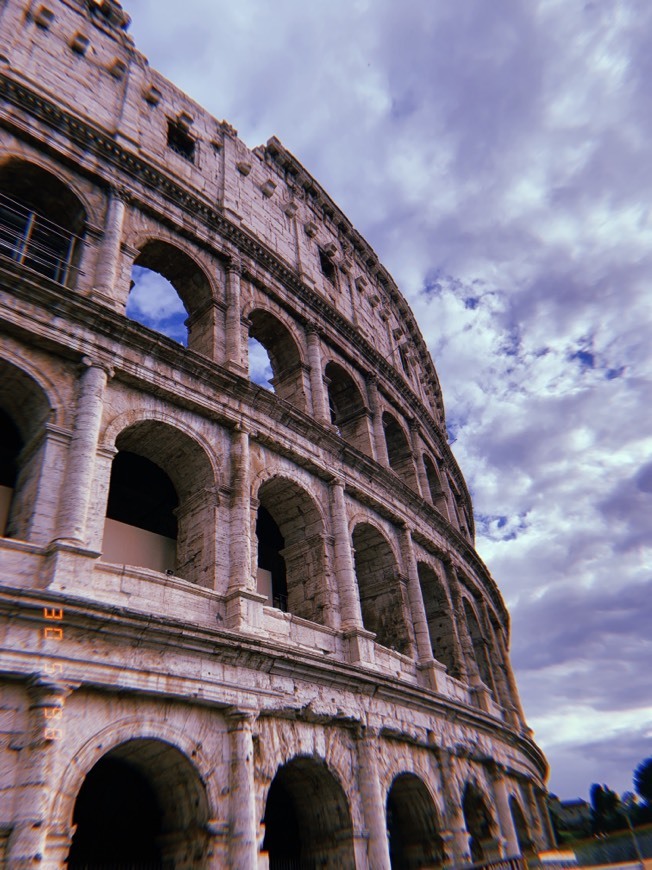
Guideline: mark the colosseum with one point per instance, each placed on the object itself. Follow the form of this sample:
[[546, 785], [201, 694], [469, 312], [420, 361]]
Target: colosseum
[[244, 625]]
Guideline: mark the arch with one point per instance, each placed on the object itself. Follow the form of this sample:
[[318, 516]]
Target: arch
[[291, 553], [347, 408], [481, 827], [437, 495], [143, 800], [479, 645], [398, 450], [413, 825], [160, 511], [154, 307], [381, 597], [307, 818], [284, 356], [525, 841], [24, 411], [441, 626], [41, 221]]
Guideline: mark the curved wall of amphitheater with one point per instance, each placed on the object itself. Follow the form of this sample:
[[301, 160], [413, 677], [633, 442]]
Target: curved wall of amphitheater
[[241, 627]]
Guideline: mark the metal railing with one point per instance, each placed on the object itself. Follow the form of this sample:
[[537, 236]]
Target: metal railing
[[35, 242]]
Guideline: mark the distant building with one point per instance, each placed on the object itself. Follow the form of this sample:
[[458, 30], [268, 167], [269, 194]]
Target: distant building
[[570, 815], [240, 627]]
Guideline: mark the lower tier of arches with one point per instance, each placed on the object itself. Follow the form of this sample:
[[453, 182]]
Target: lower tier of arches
[[131, 781]]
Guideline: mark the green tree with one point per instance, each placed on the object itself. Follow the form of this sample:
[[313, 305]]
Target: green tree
[[606, 812], [643, 780]]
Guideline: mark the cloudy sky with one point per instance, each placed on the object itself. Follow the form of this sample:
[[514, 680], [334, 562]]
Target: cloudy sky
[[496, 155]]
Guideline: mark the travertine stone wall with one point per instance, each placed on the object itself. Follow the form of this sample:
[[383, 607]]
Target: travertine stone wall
[[375, 692]]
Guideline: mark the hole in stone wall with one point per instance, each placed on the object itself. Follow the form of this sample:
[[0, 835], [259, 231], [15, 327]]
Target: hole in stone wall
[[438, 614], [414, 842], [307, 819], [180, 141], [260, 367], [11, 444], [155, 303], [270, 545], [282, 353], [118, 819], [380, 594], [327, 266]]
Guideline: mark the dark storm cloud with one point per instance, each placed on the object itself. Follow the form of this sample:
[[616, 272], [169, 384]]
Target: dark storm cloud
[[496, 155]]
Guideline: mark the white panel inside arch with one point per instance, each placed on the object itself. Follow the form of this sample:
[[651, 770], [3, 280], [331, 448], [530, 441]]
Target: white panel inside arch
[[127, 545]]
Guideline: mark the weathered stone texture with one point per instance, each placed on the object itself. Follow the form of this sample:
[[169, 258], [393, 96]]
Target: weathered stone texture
[[325, 654]]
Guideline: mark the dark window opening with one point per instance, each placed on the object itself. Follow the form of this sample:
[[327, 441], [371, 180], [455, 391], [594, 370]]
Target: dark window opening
[[414, 841], [118, 820], [142, 495], [11, 444], [36, 242], [282, 831], [270, 544], [180, 142], [327, 266], [404, 361]]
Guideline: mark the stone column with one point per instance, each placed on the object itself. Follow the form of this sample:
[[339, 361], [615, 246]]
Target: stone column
[[456, 838], [360, 640], [418, 613], [319, 403], [373, 804], [379, 442], [536, 824], [243, 824], [511, 682], [505, 819], [80, 464], [544, 815], [422, 480], [243, 602], [35, 779], [462, 646], [108, 259], [233, 338]]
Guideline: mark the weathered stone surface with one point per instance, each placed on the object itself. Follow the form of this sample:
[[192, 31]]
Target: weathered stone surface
[[367, 686]]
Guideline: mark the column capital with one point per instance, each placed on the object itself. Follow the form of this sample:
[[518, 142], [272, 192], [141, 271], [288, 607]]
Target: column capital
[[313, 328], [233, 264], [238, 718], [120, 193], [88, 362]]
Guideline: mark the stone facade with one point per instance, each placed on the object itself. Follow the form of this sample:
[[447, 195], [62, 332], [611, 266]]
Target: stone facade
[[240, 628]]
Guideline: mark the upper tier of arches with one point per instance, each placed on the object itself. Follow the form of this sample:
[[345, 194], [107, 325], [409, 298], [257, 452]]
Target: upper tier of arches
[[138, 266]]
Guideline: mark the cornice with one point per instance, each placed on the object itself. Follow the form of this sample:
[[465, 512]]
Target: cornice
[[123, 626]]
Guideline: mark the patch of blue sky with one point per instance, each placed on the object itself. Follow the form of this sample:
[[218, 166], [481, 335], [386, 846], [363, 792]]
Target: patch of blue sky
[[155, 303], [260, 369]]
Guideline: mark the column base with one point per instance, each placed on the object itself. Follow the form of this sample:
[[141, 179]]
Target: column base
[[66, 564], [433, 675], [244, 610], [360, 643]]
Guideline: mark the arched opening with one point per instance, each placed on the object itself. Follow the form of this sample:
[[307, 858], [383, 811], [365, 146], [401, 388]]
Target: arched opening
[[41, 221], [24, 410], [159, 511], [307, 819], [437, 496], [525, 842], [260, 366], [381, 596], [479, 645], [171, 294], [480, 825], [348, 411], [290, 535], [281, 349], [398, 450], [142, 805], [439, 615], [414, 841]]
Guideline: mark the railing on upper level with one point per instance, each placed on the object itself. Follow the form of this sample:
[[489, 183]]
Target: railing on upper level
[[35, 242], [515, 863]]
